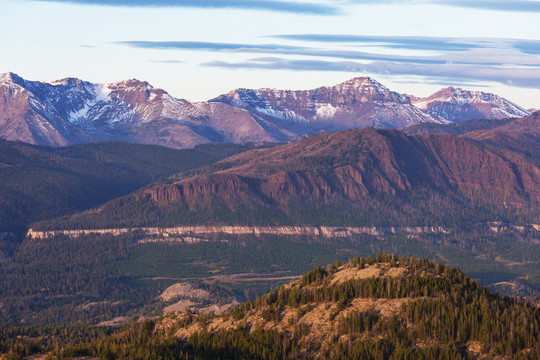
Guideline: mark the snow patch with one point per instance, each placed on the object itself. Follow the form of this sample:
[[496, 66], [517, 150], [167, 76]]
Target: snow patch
[[102, 93], [281, 114], [326, 111]]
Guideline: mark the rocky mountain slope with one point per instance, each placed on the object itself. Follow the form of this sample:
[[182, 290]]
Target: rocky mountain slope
[[368, 177], [456, 104], [70, 111], [356, 103]]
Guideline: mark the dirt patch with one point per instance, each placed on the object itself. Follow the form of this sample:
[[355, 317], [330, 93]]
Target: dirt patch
[[395, 272], [507, 262], [353, 273], [114, 322], [386, 307]]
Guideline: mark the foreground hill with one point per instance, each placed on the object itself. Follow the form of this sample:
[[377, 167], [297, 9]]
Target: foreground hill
[[387, 308], [39, 183], [355, 177]]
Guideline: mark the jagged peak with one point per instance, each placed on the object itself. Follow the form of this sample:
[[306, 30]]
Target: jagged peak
[[361, 80], [132, 83], [10, 77]]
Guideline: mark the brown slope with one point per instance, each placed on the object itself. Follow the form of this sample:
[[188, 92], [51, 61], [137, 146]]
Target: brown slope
[[353, 164], [348, 178], [520, 136]]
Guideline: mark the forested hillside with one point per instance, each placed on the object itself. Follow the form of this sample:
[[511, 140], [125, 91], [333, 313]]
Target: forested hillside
[[38, 183], [386, 307], [362, 177]]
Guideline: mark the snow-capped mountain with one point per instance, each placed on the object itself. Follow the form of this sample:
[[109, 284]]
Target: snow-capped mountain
[[456, 104], [70, 111], [356, 103]]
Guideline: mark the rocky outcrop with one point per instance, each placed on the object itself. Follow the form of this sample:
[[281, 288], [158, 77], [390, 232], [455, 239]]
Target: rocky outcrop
[[184, 291]]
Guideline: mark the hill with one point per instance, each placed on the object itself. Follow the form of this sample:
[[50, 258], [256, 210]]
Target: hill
[[362, 177], [384, 308]]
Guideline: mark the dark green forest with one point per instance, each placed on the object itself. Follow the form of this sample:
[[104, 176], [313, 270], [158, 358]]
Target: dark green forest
[[38, 182]]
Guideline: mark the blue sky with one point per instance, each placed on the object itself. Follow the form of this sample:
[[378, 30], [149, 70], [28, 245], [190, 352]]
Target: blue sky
[[199, 49]]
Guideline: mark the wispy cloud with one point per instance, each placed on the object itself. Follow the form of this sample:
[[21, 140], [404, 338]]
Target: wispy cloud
[[206, 46], [399, 42], [507, 61], [486, 54], [168, 61], [418, 42], [497, 5], [522, 77], [303, 8]]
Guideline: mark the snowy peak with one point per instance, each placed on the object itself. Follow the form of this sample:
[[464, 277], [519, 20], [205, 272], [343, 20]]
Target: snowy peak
[[9, 77], [72, 110], [355, 103], [457, 104]]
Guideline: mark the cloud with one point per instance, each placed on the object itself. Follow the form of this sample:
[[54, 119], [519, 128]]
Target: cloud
[[418, 42], [496, 5], [507, 61], [207, 46], [521, 77], [302, 8], [492, 52], [168, 61], [400, 42]]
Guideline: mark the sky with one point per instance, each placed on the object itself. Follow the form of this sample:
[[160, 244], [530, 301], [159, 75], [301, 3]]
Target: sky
[[199, 49]]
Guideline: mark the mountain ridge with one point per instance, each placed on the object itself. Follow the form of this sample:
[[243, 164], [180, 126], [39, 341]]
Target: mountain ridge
[[70, 111], [456, 104], [338, 179]]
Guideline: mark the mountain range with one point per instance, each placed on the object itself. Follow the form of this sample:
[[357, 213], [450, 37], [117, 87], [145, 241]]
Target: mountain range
[[71, 111]]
